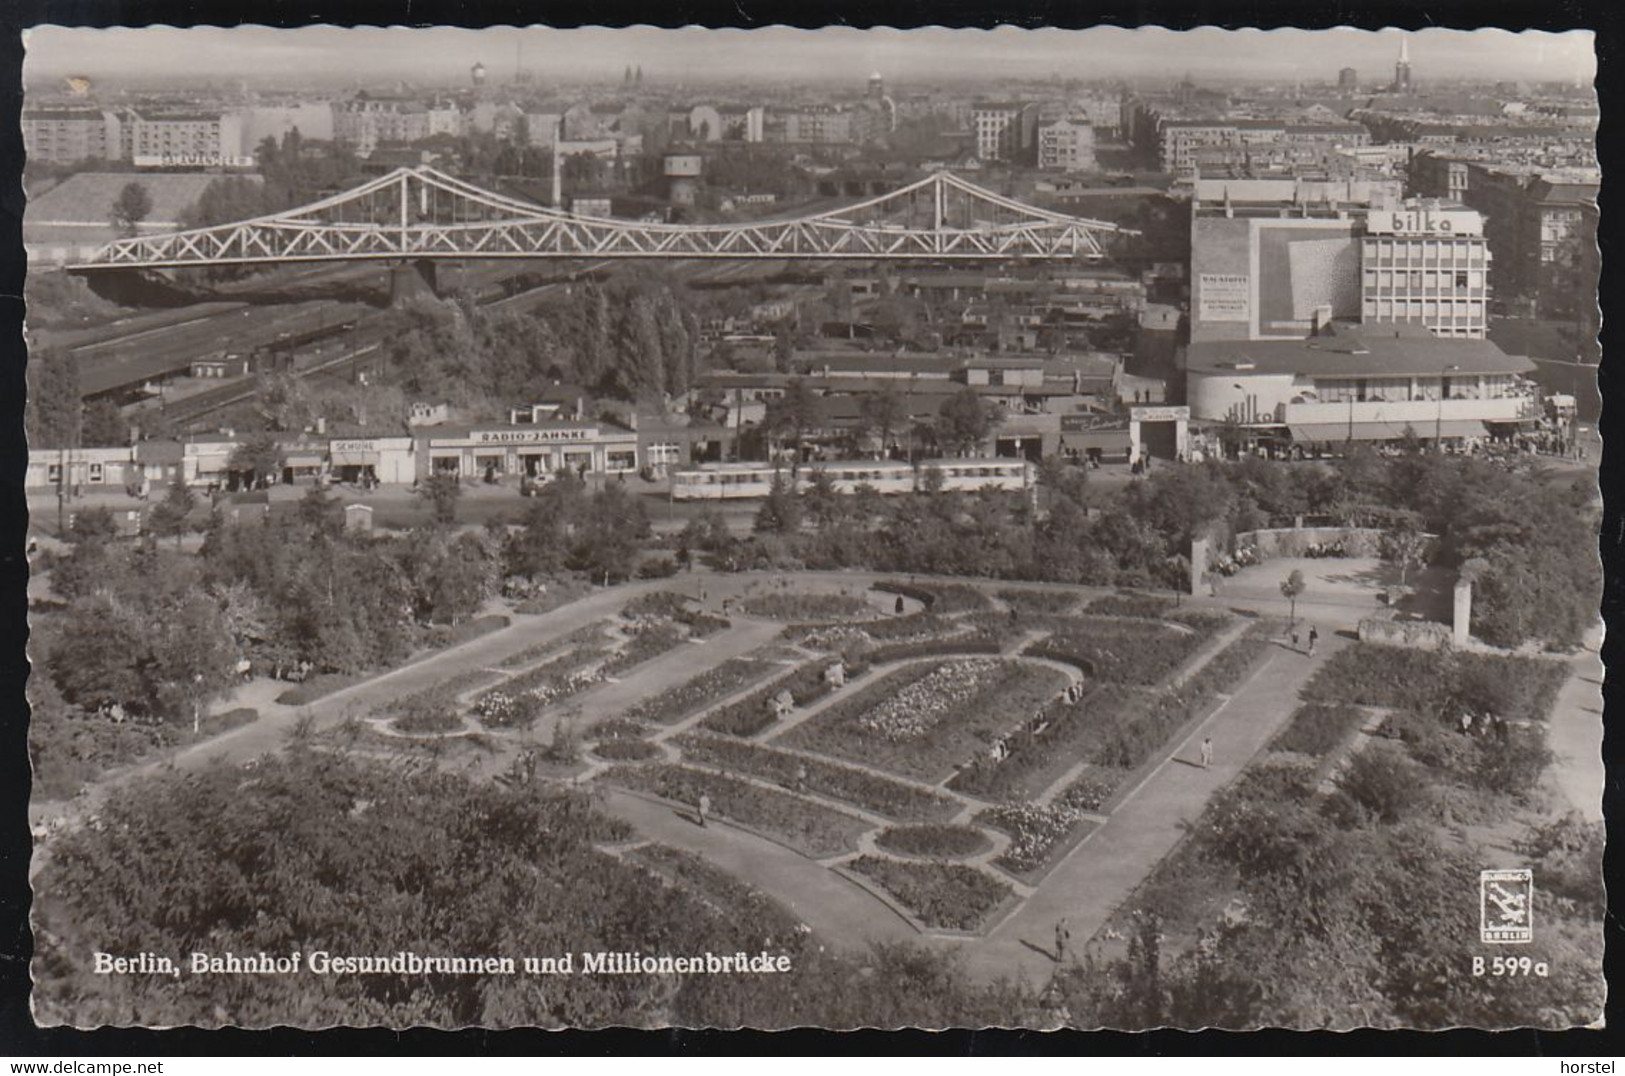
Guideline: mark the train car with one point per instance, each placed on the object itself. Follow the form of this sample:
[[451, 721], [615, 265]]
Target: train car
[[725, 481], [970, 475], [886, 476]]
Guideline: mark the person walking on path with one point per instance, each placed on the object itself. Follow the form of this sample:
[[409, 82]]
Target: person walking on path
[[1314, 635], [705, 808], [1207, 752], [1063, 935]]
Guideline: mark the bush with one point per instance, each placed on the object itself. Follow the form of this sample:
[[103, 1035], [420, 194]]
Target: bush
[[969, 643], [939, 598], [658, 568], [618, 728], [1385, 781], [1443, 683], [1567, 859], [656, 603], [318, 687], [751, 714], [942, 896], [446, 636], [1319, 728], [1121, 651], [933, 842]]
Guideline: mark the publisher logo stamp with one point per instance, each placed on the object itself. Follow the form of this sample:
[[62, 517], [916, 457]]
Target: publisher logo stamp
[[1506, 906]]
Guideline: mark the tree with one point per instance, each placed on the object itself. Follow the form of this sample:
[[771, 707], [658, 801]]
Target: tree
[[259, 457], [1292, 586], [793, 414], [779, 514], [168, 517], [441, 490], [884, 412], [104, 425], [53, 416], [1405, 545], [965, 422], [193, 660], [130, 208]]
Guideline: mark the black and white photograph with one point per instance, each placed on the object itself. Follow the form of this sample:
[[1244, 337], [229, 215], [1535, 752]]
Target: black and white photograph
[[813, 528]]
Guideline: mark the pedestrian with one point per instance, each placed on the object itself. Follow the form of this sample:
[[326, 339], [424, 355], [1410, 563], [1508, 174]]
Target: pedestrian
[[801, 777], [1314, 637], [1063, 935], [1207, 752], [1295, 635], [705, 808], [899, 606]]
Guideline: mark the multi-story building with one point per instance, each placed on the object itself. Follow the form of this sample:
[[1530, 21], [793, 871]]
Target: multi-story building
[[1004, 131], [185, 134], [367, 120], [819, 125], [1348, 80], [1360, 383], [67, 135], [1427, 264], [1067, 145]]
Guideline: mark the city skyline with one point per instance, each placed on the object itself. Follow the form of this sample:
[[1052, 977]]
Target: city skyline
[[782, 53]]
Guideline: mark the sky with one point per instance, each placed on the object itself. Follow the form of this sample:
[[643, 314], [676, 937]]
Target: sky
[[445, 54]]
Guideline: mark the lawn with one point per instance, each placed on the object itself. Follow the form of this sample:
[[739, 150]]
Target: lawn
[[809, 828], [923, 720], [880, 795], [942, 896], [670, 707], [933, 842]]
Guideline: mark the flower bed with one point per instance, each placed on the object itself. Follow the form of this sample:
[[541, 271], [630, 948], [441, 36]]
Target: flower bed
[[808, 606], [318, 687], [427, 721], [1092, 788], [872, 728], [752, 714], [1368, 674], [442, 694], [1036, 832], [1319, 728], [891, 799], [646, 644], [618, 728], [703, 625], [942, 896], [627, 750], [965, 643], [1042, 602], [933, 842], [1123, 652], [517, 703], [587, 633], [657, 603], [672, 706], [1132, 605], [553, 671], [940, 598], [809, 828]]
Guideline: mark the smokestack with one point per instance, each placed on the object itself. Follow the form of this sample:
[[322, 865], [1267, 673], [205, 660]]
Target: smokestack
[[558, 136]]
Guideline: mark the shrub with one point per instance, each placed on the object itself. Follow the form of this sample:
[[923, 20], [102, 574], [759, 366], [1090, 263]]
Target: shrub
[[446, 636], [657, 603], [940, 598], [977, 643], [1566, 855], [317, 687], [935, 842], [1444, 683], [751, 714], [658, 568], [1124, 651], [1319, 728], [943, 896], [618, 728], [1384, 780]]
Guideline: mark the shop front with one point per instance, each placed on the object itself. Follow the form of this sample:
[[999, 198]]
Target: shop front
[[365, 461], [532, 451]]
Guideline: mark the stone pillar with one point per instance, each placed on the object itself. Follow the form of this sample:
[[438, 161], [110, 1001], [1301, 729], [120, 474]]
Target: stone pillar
[[1460, 623], [1133, 440], [1182, 438], [1198, 563], [410, 281]]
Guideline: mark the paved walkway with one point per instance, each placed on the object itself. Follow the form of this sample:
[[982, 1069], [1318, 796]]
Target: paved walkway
[[1102, 871], [839, 911], [1575, 734]]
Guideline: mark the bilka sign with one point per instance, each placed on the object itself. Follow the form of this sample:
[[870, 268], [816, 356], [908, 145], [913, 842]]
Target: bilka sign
[[1442, 222]]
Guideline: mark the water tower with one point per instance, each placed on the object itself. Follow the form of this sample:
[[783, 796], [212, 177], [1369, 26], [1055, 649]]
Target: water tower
[[683, 172]]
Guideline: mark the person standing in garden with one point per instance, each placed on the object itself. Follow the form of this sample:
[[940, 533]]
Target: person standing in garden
[[1314, 635], [705, 808], [1207, 752], [1063, 935]]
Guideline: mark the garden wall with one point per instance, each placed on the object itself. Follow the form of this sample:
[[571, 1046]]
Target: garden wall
[[1295, 541], [1384, 628]]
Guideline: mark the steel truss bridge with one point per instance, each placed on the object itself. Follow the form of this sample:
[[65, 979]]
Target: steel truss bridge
[[417, 214]]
